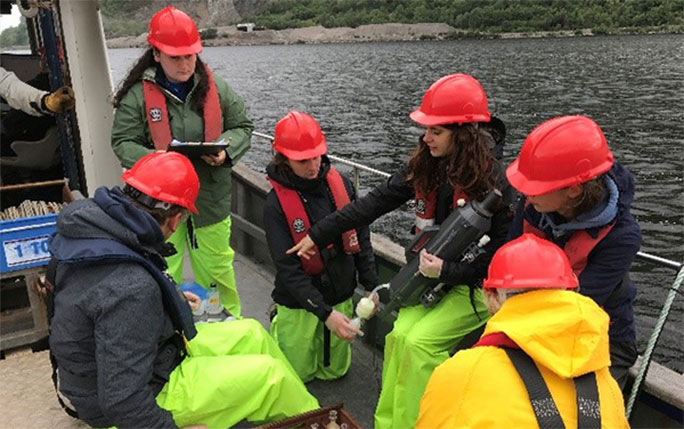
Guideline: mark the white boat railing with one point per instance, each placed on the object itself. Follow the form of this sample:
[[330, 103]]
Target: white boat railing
[[647, 257]]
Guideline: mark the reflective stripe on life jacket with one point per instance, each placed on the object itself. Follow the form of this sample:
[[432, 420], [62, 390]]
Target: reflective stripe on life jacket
[[426, 207], [299, 223], [157, 113], [578, 247]]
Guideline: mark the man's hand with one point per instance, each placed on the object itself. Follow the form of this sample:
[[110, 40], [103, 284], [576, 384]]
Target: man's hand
[[60, 100], [339, 324], [304, 249], [215, 160], [430, 265], [193, 300]]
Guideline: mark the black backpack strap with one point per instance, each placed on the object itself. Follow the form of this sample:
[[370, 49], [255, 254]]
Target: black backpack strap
[[326, 346], [588, 405], [545, 409]]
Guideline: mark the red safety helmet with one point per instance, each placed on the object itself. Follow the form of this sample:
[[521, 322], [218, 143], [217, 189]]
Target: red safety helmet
[[530, 262], [298, 136], [174, 33], [561, 152], [165, 176], [456, 98]]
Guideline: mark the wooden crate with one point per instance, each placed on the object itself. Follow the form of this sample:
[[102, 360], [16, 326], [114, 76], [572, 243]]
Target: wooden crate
[[316, 419]]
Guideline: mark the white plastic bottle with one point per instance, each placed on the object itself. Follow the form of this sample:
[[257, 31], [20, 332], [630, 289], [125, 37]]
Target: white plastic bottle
[[214, 307]]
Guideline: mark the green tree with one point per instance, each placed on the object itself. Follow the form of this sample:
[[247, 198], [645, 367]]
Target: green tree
[[15, 36]]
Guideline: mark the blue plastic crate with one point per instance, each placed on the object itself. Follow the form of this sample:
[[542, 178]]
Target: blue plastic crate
[[25, 242]]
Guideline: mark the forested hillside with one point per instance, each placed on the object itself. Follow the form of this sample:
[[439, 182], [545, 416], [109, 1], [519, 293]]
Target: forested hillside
[[131, 17], [485, 16], [469, 17]]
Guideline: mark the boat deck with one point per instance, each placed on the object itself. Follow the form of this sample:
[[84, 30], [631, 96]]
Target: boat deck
[[28, 397]]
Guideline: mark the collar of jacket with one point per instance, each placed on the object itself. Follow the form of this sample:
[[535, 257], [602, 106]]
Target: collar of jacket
[[293, 181], [150, 75], [115, 203], [593, 220]]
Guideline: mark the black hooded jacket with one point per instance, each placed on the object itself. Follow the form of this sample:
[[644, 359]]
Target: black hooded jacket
[[293, 287]]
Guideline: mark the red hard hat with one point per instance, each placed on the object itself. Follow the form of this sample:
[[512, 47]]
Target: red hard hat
[[165, 176], [456, 98], [560, 152], [174, 33], [530, 262], [298, 136]]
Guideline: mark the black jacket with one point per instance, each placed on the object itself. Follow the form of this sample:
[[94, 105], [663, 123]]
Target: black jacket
[[110, 328], [293, 287], [396, 191]]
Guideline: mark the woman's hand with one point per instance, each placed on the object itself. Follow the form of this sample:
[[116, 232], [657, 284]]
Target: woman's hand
[[430, 265], [193, 300], [215, 160], [339, 324], [305, 248]]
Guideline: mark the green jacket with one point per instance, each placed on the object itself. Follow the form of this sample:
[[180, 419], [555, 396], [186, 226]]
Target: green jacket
[[131, 140]]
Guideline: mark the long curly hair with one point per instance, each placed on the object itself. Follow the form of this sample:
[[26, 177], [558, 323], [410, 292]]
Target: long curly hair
[[146, 61], [470, 164]]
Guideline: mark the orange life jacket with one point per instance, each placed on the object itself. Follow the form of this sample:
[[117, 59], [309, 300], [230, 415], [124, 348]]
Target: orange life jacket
[[578, 247], [158, 115], [426, 207], [299, 222]]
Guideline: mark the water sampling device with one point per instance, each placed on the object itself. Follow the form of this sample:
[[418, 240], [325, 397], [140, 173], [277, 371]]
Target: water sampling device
[[460, 237]]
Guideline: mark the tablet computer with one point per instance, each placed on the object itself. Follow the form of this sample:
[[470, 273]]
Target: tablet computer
[[197, 149]]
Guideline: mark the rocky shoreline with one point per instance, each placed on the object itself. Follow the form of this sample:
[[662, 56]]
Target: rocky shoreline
[[230, 36]]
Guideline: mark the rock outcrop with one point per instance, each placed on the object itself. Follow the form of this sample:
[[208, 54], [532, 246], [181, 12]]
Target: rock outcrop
[[229, 35]]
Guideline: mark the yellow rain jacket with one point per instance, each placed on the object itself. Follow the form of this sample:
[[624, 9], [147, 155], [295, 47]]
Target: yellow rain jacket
[[565, 333]]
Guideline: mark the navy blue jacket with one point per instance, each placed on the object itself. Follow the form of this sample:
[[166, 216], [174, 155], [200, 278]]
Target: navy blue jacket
[[609, 261]]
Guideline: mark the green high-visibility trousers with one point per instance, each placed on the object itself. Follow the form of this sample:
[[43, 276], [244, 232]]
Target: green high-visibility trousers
[[300, 336], [234, 371], [421, 340], [212, 260]]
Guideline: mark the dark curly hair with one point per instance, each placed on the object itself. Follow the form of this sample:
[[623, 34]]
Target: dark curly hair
[[146, 61], [469, 164]]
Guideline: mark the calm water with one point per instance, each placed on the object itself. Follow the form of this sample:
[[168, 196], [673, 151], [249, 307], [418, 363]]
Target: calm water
[[633, 86]]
